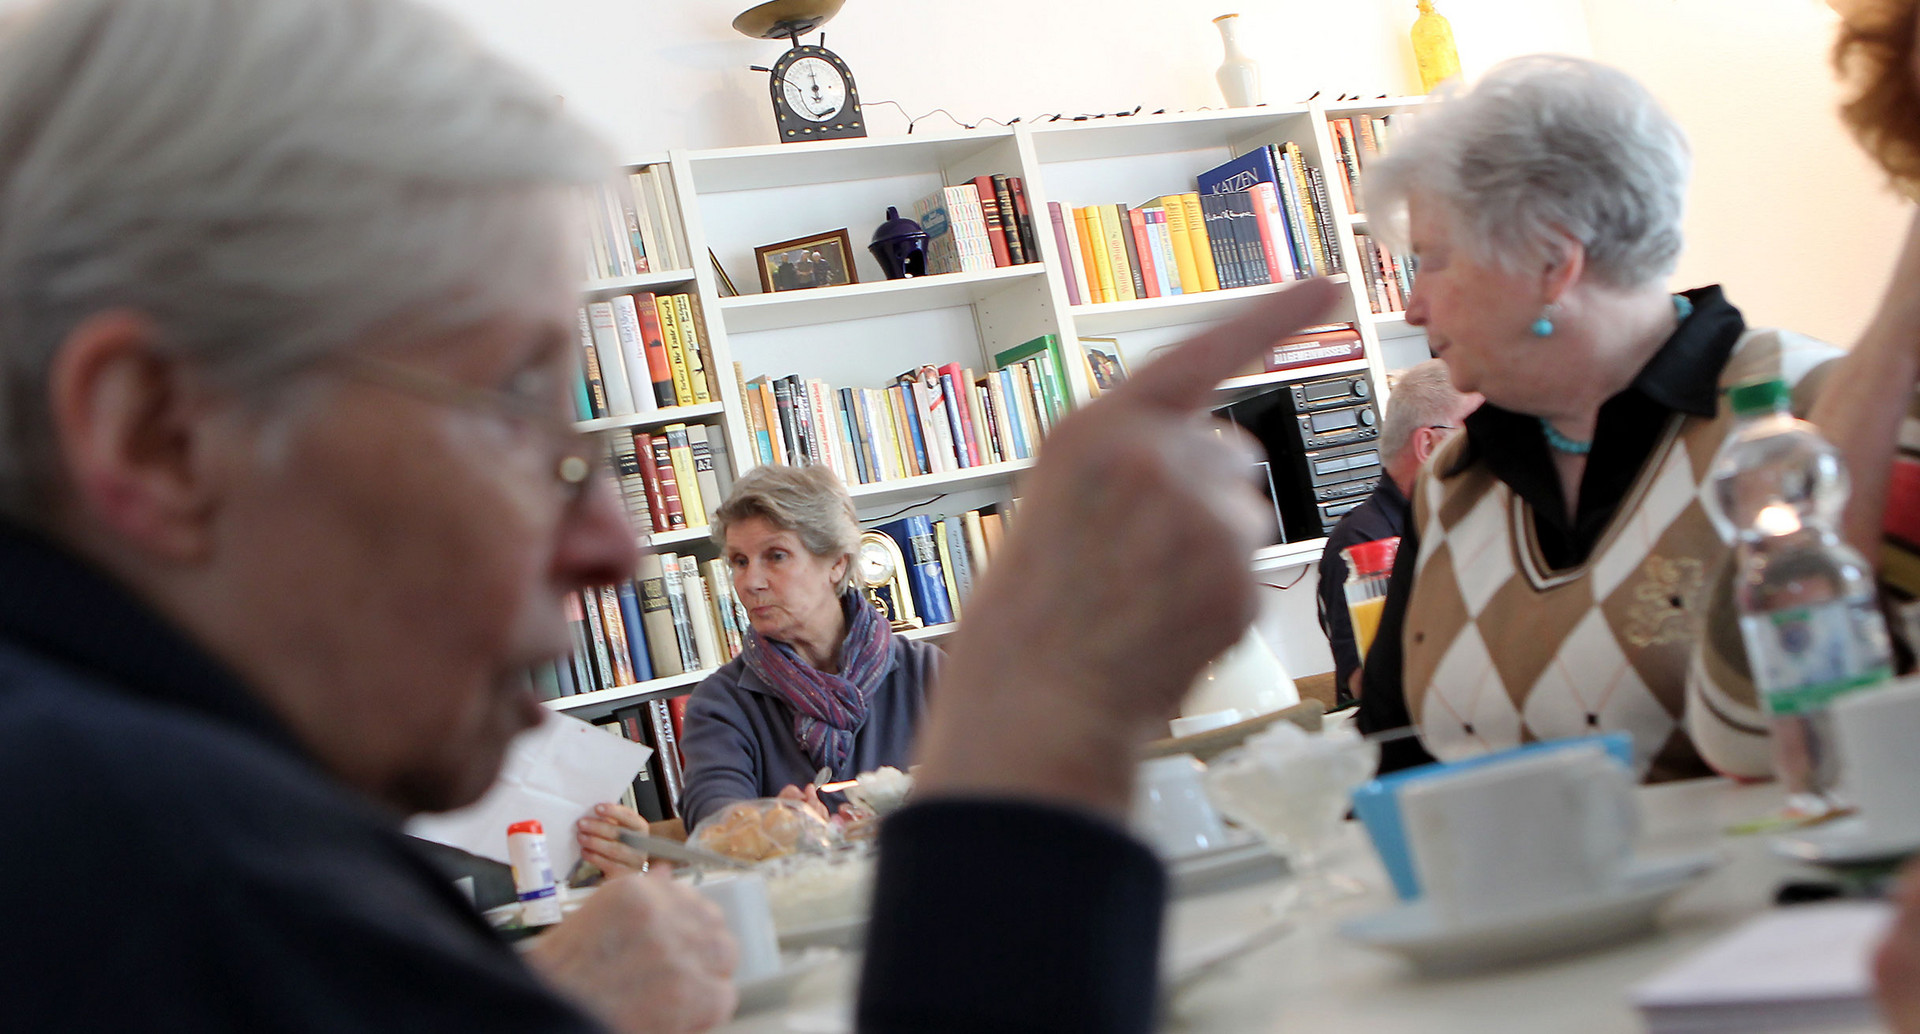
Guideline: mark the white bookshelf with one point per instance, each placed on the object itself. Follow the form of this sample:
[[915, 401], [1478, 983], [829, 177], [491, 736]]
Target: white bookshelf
[[861, 335]]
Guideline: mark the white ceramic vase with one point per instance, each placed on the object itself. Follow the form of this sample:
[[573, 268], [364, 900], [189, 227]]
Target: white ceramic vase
[[1239, 75]]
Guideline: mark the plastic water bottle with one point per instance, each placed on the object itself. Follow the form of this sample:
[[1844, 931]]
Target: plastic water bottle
[[1806, 600]]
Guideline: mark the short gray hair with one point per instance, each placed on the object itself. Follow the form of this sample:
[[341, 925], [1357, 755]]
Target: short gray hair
[[809, 501], [268, 181], [1541, 145], [1423, 396]]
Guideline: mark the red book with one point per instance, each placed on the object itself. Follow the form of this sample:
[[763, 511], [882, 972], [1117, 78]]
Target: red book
[[954, 380], [662, 475], [650, 477], [659, 370], [996, 229], [1137, 224], [1325, 345], [1266, 216], [1023, 218], [677, 706]]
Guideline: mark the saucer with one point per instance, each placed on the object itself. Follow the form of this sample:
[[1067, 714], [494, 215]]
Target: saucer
[[844, 932], [1844, 842], [1243, 859], [775, 988], [1563, 927]]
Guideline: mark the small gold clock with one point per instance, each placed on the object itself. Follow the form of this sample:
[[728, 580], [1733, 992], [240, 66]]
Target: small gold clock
[[881, 566]]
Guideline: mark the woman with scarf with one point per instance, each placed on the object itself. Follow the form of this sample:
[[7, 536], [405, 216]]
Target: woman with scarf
[[823, 681]]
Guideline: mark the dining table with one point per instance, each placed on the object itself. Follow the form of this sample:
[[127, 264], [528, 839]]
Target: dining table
[[1307, 977]]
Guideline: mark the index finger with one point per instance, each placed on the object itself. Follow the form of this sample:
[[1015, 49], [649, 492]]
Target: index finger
[[1183, 377]]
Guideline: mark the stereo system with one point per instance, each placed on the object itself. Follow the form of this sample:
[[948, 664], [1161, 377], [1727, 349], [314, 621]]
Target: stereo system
[[1322, 443], [1333, 391]]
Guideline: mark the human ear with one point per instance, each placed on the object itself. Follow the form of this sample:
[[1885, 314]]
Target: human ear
[[131, 433], [1566, 262]]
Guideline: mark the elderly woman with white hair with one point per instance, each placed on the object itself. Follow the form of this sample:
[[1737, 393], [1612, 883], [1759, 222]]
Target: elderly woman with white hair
[[1556, 570]]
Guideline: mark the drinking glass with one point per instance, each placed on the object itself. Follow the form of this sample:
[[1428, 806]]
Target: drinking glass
[[1293, 791]]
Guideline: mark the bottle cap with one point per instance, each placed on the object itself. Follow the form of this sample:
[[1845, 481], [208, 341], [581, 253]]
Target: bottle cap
[[529, 826], [1756, 397], [1368, 559]]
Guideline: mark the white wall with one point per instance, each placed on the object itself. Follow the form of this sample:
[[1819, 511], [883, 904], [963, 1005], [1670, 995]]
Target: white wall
[[658, 75], [1785, 210]]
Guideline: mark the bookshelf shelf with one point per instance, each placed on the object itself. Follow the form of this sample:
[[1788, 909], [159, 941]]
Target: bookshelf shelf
[[602, 702], [1305, 373], [670, 415], [1289, 554], [940, 631], [835, 161], [950, 481], [594, 289], [683, 536], [1098, 139], [756, 312], [1154, 313]]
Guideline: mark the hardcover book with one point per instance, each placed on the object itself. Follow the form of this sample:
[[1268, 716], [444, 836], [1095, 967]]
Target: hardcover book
[[925, 577]]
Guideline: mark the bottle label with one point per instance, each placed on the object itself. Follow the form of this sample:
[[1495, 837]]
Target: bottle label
[[1804, 657]]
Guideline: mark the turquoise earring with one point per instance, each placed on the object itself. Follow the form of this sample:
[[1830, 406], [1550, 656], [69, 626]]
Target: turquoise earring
[[1543, 327]]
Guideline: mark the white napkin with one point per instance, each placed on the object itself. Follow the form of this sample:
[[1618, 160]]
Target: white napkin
[[555, 772]]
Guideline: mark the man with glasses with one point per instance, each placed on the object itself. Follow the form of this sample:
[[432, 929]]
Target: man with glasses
[[1422, 410]]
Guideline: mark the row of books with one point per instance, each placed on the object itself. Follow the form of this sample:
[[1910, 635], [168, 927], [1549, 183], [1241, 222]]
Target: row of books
[[656, 789], [979, 225], [643, 353], [678, 615], [1389, 278], [944, 556], [1358, 139], [630, 227], [672, 479], [1261, 218], [930, 420]]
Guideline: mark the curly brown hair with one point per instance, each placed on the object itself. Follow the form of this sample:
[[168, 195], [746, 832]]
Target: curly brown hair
[[1875, 58]]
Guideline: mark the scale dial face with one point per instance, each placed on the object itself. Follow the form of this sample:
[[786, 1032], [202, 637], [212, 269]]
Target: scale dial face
[[815, 89], [875, 563], [814, 97]]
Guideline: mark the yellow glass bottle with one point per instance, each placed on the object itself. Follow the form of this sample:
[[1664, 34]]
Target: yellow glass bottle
[[1433, 47]]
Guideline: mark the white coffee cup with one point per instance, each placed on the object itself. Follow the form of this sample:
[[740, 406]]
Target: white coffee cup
[[1877, 735], [1502, 839], [742, 897], [1171, 811]]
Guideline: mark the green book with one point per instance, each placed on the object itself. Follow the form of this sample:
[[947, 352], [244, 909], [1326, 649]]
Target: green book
[[1053, 367]]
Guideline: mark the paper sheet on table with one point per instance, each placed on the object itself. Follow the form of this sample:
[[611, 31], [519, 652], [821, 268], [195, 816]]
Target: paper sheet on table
[[555, 773], [1807, 967]]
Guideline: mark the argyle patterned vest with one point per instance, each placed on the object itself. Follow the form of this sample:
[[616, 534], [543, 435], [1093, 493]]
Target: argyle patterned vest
[[1500, 650]]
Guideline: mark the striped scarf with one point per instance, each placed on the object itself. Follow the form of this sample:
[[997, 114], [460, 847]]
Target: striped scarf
[[827, 708]]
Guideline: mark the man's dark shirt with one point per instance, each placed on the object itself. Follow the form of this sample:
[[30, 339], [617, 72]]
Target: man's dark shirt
[[1682, 377], [1382, 516], [175, 861]]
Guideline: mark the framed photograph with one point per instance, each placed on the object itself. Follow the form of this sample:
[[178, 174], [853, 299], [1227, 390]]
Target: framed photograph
[[822, 260], [1105, 369], [720, 275]]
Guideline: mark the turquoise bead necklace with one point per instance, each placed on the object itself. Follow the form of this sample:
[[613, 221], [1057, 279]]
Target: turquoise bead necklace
[[1682, 308]]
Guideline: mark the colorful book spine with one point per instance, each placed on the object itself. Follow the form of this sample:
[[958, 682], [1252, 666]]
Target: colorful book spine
[[676, 353], [637, 653], [925, 578], [699, 359], [669, 480], [1142, 253], [1071, 272], [996, 229], [596, 385], [1009, 221], [1202, 246], [659, 369], [1113, 236]]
